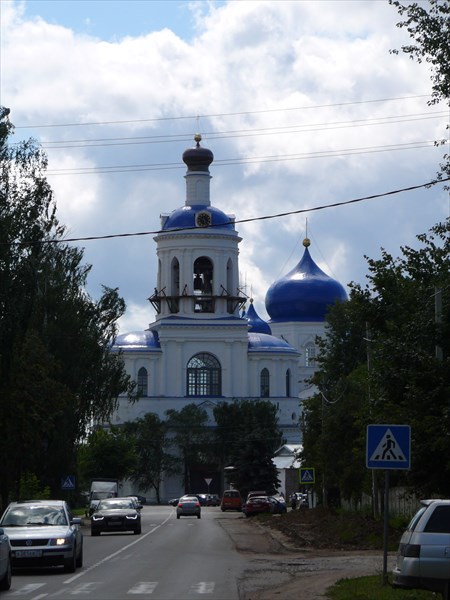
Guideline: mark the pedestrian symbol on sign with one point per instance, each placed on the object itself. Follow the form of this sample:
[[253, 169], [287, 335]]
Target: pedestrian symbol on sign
[[388, 448]]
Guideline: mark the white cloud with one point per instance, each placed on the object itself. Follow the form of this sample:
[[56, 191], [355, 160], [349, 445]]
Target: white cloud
[[288, 82]]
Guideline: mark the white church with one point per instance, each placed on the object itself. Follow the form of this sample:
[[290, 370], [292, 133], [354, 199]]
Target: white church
[[206, 345]]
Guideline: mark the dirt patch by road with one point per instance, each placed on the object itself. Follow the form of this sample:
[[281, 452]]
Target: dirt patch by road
[[299, 557]]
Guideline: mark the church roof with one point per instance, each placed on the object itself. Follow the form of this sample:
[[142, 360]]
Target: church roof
[[304, 294], [262, 342], [185, 217], [255, 323], [137, 341]]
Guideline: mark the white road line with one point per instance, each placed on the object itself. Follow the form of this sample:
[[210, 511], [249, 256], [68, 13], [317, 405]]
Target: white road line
[[203, 587], [107, 558], [143, 587], [28, 589]]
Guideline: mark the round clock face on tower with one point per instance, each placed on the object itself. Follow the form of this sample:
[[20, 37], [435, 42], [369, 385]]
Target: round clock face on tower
[[203, 219]]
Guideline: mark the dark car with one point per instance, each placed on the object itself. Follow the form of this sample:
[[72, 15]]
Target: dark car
[[202, 498], [257, 505], [213, 500], [189, 506], [5, 561], [43, 533], [278, 505], [116, 514], [173, 501]]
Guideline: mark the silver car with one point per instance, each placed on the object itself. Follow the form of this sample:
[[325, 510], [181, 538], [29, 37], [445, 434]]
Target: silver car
[[423, 558], [43, 533], [5, 561], [189, 506]]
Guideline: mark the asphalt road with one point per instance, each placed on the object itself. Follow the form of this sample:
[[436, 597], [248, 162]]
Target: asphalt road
[[172, 559]]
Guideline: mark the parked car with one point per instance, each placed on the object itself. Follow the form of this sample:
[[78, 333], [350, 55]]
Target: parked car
[[278, 505], [173, 501], [5, 561], [257, 505], [116, 514], [213, 500], [231, 500], [43, 533], [423, 558], [256, 493], [189, 506]]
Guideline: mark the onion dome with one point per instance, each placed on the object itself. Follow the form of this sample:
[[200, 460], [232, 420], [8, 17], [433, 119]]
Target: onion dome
[[304, 294], [262, 342], [255, 323], [137, 341], [198, 158], [188, 216]]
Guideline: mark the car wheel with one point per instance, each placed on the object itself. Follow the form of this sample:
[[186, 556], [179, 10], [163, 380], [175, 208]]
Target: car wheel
[[80, 559], [5, 583], [94, 533], [199, 516], [70, 564], [446, 591], [178, 516], [223, 509], [137, 531]]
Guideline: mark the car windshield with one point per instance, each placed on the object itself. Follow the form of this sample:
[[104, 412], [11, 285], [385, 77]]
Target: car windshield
[[34, 515], [115, 504]]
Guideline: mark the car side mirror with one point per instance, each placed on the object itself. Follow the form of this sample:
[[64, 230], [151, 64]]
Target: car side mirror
[[76, 521], [2, 531]]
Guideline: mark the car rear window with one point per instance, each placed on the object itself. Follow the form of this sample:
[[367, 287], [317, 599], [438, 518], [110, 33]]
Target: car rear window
[[231, 494], [439, 521]]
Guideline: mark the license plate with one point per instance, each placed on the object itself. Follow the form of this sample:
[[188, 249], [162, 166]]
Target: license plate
[[28, 553]]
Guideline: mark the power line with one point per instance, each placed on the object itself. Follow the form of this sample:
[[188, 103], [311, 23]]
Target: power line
[[230, 114], [262, 218], [242, 161], [226, 134]]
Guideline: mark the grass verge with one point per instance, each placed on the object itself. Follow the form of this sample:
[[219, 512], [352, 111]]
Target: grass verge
[[372, 588]]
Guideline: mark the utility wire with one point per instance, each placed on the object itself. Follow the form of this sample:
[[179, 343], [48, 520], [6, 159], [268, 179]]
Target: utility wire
[[230, 114], [232, 222]]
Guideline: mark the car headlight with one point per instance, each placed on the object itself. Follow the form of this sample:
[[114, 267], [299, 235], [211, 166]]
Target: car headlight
[[62, 541], [134, 517], [97, 517]]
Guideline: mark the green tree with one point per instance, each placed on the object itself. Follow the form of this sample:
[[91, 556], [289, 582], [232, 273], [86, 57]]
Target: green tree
[[190, 435], [247, 436], [428, 24], [149, 437], [386, 360], [57, 374], [107, 453]]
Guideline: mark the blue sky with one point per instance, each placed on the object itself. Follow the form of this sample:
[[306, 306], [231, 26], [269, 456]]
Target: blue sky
[[302, 104], [114, 19]]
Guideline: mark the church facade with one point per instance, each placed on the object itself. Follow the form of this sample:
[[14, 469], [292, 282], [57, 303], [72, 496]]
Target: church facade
[[207, 344]]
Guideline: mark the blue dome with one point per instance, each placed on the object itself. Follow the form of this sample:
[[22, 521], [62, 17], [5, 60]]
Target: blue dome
[[263, 342], [137, 340], [185, 217], [255, 323], [304, 294]]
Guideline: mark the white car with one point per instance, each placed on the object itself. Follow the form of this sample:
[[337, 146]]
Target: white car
[[423, 558], [5, 561], [43, 533]]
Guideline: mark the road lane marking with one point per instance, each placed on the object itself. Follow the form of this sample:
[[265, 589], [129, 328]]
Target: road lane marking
[[203, 587], [114, 554], [27, 589], [143, 587]]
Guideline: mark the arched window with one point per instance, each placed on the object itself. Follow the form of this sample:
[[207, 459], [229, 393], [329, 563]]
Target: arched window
[[142, 382], [204, 376], [264, 384], [288, 383], [203, 285], [310, 355]]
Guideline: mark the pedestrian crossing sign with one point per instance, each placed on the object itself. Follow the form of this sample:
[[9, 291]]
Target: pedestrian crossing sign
[[68, 482], [388, 447], [307, 475]]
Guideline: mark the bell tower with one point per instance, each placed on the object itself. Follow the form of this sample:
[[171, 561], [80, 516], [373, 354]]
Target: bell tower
[[197, 249]]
